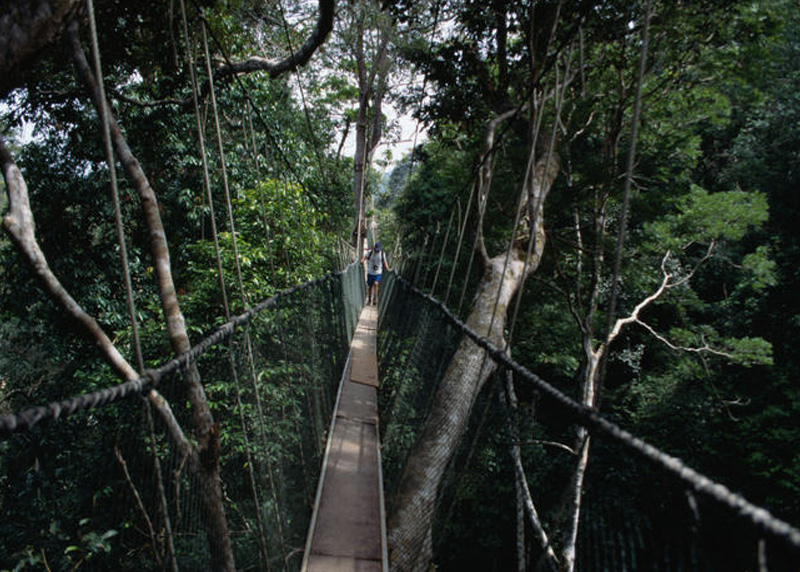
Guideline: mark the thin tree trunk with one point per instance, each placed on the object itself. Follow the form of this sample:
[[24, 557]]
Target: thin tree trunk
[[206, 465], [19, 224], [371, 86]]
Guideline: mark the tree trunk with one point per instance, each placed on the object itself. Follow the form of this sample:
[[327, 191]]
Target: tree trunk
[[410, 525], [27, 27], [206, 451], [371, 86]]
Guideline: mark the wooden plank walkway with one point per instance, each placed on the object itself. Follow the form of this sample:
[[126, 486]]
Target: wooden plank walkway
[[347, 531]]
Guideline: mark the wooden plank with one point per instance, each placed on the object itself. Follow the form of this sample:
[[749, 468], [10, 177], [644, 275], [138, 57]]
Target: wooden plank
[[359, 402], [348, 520], [364, 368], [365, 340], [322, 563], [368, 318]]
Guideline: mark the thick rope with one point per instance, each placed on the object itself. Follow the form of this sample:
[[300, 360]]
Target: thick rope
[[591, 418], [28, 418]]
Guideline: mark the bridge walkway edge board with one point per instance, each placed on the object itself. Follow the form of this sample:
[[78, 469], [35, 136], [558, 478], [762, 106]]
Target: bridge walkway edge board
[[347, 532]]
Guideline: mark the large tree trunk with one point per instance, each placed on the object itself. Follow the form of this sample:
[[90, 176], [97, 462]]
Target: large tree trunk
[[26, 28], [205, 461], [371, 86], [410, 525]]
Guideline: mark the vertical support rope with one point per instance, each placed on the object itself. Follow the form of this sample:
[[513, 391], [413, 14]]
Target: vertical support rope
[[136, 342], [626, 193], [532, 237], [262, 430], [112, 173], [201, 141], [223, 167], [444, 245]]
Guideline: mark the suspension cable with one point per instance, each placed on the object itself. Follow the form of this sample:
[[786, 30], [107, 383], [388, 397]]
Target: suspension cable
[[223, 167], [126, 273], [190, 55], [532, 237], [626, 193], [112, 173]]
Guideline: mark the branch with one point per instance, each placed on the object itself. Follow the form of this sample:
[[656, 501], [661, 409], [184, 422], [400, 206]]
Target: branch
[[555, 444], [509, 399], [663, 287], [297, 59], [19, 224], [140, 504], [173, 427], [634, 316], [486, 171], [698, 350]]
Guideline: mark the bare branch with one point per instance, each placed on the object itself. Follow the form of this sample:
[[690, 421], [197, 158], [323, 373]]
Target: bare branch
[[140, 504], [173, 427], [486, 171], [634, 316], [665, 285], [704, 349], [20, 225], [555, 444], [510, 401]]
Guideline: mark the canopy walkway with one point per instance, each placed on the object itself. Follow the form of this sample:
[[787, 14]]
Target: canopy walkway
[[294, 387], [347, 529]]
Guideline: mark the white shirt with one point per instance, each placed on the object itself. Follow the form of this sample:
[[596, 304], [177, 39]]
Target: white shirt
[[375, 262]]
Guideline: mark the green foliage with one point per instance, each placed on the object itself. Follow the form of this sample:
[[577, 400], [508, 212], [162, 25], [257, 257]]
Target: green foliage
[[707, 218], [281, 240]]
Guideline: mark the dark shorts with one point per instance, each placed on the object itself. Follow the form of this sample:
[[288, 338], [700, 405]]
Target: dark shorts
[[373, 279]]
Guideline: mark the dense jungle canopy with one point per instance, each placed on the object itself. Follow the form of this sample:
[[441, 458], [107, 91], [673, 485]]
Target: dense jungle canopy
[[641, 158]]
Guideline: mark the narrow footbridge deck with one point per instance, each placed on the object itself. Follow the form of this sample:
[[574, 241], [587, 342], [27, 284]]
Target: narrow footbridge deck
[[347, 531]]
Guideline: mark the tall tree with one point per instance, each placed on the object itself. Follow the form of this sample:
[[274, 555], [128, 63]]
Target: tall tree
[[33, 34], [505, 265], [502, 57], [367, 34]]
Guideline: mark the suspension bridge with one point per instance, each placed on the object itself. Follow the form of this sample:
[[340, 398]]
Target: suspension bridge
[[317, 402], [306, 492]]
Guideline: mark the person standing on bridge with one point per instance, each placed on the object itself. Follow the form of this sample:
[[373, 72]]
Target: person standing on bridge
[[376, 262]]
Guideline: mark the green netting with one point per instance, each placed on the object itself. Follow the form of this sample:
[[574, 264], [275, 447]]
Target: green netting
[[84, 491], [637, 513], [99, 490]]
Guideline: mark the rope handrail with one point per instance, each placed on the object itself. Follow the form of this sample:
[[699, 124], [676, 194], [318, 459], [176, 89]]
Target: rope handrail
[[591, 418], [28, 418]]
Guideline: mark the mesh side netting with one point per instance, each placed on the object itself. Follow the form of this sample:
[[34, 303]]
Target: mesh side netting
[[635, 514], [83, 491]]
